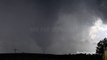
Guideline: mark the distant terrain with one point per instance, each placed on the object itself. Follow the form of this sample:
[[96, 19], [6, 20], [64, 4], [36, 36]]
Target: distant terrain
[[28, 56]]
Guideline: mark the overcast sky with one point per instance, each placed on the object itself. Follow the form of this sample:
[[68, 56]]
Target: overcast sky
[[51, 26]]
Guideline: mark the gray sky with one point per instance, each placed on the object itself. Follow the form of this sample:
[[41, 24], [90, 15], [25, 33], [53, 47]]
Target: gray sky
[[49, 26]]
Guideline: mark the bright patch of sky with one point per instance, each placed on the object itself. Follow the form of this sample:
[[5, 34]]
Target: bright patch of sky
[[98, 31]]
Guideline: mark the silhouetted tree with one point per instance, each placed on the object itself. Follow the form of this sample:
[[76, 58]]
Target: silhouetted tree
[[101, 46]]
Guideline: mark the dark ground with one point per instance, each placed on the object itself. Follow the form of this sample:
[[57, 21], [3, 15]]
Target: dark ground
[[27, 56]]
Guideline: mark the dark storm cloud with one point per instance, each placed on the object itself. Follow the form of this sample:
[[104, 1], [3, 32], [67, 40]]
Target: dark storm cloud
[[51, 26]]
